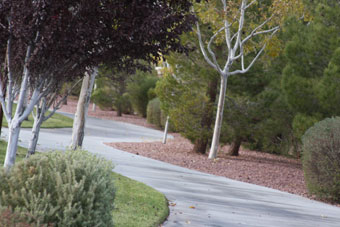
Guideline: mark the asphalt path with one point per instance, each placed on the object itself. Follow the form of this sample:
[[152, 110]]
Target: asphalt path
[[197, 199]]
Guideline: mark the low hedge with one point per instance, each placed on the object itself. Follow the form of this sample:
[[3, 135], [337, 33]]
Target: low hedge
[[72, 188], [321, 159]]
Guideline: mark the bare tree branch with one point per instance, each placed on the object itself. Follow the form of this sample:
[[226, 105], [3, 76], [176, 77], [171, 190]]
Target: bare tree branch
[[206, 57], [250, 4], [254, 32], [210, 50], [254, 60], [227, 28], [240, 27], [58, 105]]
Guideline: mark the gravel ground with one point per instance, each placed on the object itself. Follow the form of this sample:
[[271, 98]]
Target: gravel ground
[[253, 167], [259, 168]]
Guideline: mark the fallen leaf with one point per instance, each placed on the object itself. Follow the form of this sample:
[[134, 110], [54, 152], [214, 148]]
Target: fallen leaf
[[192, 207]]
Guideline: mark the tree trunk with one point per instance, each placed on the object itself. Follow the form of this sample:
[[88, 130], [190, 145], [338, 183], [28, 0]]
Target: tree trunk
[[219, 118], [12, 146], [119, 110], [78, 130], [200, 145], [235, 147], [166, 128], [35, 135], [1, 117], [26, 101], [1, 110], [94, 106]]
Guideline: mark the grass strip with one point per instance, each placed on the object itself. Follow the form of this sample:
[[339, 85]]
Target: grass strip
[[137, 204], [56, 121]]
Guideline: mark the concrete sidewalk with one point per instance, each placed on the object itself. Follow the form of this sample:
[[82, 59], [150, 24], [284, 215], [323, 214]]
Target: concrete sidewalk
[[199, 199]]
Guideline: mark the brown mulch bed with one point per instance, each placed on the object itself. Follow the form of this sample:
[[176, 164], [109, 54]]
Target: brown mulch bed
[[259, 168]]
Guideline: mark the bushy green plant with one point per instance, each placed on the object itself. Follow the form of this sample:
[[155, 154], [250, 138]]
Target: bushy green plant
[[302, 122], [321, 159], [138, 90], [72, 188], [154, 113], [110, 91], [9, 218], [329, 87]]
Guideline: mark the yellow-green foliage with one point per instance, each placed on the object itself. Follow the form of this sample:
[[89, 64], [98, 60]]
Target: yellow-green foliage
[[321, 159], [72, 188]]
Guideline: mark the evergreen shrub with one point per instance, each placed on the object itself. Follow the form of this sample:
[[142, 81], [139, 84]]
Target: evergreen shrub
[[154, 113], [321, 159], [72, 188], [139, 93], [9, 218], [156, 116]]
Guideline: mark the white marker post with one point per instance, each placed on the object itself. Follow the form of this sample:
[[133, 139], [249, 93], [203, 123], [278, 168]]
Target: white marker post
[[166, 130]]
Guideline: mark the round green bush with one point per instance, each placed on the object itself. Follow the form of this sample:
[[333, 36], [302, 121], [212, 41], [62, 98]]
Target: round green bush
[[321, 159], [72, 188]]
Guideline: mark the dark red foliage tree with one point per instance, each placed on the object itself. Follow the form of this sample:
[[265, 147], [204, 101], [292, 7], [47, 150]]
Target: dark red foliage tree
[[48, 42]]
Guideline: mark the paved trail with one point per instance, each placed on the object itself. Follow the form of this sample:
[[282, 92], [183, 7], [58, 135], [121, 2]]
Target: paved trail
[[200, 199]]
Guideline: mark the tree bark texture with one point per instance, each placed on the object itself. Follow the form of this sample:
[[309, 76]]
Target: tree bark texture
[[219, 118], [35, 135], [12, 146], [78, 130]]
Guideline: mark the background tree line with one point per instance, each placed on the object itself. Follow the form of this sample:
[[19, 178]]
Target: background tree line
[[291, 87]]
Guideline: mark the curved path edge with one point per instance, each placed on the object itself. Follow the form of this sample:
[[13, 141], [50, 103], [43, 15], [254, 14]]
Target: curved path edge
[[196, 199]]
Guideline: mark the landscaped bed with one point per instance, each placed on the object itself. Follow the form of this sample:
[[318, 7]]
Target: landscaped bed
[[253, 167], [259, 168]]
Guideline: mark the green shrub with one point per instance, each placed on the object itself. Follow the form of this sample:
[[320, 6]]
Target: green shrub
[[302, 122], [154, 113], [138, 90], [9, 218], [156, 116], [321, 159], [72, 188]]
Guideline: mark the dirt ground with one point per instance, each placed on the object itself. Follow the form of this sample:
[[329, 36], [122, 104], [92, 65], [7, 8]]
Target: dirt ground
[[259, 168]]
